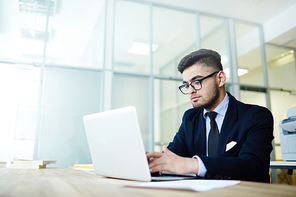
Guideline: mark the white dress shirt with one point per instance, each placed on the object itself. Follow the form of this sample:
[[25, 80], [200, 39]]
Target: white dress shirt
[[221, 111]]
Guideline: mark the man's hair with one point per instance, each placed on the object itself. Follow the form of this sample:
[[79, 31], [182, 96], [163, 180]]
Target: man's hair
[[208, 58]]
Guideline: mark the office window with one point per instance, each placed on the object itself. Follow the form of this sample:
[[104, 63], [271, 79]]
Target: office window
[[174, 34], [68, 95], [19, 89], [213, 36], [248, 54], [131, 37], [76, 34], [133, 91]]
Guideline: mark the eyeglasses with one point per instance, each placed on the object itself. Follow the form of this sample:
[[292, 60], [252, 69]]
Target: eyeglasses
[[196, 84]]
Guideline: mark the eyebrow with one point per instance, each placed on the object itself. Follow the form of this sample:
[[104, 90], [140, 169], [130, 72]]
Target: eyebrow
[[193, 78]]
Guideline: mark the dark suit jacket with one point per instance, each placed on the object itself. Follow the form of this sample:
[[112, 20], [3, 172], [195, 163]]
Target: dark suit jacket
[[250, 126]]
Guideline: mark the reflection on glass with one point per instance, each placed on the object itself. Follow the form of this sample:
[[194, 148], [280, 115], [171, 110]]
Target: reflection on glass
[[213, 36], [169, 106], [76, 34], [248, 54], [130, 90], [22, 34], [131, 37], [281, 67], [175, 33], [280, 103]]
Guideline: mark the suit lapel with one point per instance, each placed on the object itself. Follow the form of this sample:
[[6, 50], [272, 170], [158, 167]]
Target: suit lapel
[[200, 135], [228, 124]]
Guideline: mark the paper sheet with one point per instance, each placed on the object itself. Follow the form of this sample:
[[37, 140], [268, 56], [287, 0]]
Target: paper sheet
[[193, 185]]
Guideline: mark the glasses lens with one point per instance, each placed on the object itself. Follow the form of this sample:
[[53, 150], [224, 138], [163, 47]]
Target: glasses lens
[[196, 85], [183, 89]]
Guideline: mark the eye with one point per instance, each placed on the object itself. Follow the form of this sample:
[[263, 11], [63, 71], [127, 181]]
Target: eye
[[195, 82], [186, 86]]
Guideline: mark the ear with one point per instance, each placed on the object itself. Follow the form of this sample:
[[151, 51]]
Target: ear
[[221, 78]]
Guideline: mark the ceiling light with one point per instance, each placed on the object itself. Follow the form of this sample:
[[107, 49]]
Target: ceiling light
[[141, 48], [37, 6], [240, 72], [224, 59], [226, 71]]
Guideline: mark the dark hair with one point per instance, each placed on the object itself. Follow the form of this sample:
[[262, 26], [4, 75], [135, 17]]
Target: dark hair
[[206, 57]]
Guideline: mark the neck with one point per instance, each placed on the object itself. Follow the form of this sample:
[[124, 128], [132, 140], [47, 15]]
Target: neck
[[218, 101]]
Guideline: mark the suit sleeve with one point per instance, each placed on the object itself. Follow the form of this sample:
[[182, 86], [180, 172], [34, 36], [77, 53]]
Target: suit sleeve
[[178, 145], [254, 130]]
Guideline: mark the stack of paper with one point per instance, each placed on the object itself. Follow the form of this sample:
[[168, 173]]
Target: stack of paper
[[30, 164], [83, 167]]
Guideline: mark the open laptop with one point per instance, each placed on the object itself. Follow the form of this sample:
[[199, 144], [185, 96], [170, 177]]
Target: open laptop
[[117, 148]]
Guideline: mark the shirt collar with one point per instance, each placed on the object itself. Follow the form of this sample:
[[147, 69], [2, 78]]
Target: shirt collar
[[221, 108]]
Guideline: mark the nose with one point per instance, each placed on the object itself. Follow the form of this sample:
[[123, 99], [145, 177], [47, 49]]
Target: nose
[[191, 90]]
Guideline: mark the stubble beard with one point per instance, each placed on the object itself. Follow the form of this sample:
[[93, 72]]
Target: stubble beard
[[214, 95]]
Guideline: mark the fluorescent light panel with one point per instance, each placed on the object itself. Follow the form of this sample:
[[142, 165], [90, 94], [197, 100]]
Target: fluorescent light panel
[[141, 48], [240, 72]]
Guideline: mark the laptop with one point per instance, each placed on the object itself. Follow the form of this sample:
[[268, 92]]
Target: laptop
[[117, 148]]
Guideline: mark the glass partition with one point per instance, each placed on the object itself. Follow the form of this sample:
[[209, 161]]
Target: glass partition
[[253, 97], [281, 67], [131, 37], [19, 89], [280, 102], [248, 54], [174, 34], [281, 70], [76, 34], [22, 30], [169, 107], [213, 36], [133, 91], [68, 95]]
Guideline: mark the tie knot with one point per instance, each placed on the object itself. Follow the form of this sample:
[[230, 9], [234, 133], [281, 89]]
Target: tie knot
[[212, 115]]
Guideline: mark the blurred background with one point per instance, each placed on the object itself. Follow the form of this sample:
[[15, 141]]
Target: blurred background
[[63, 59]]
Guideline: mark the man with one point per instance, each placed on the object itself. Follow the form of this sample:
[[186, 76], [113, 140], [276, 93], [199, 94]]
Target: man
[[233, 141]]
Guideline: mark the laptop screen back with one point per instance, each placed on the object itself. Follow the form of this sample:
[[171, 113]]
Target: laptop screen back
[[116, 144]]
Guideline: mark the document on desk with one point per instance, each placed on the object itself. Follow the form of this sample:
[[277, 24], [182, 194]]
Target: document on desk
[[199, 185]]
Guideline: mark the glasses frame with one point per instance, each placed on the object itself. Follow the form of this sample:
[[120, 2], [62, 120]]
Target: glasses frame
[[199, 80]]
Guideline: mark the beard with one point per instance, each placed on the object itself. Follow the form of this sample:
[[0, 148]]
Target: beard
[[213, 99]]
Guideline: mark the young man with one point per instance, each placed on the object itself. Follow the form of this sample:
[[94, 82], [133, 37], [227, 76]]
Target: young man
[[233, 141]]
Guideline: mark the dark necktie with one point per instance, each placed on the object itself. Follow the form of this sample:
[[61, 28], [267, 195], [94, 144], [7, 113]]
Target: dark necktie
[[213, 135]]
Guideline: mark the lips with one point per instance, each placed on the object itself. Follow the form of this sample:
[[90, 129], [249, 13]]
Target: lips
[[194, 98]]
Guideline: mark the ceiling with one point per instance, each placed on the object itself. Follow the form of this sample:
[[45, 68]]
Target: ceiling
[[74, 23], [257, 11]]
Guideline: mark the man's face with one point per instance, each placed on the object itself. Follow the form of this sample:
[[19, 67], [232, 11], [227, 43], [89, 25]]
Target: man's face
[[207, 96]]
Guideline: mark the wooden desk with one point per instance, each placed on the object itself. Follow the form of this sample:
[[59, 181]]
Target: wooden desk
[[68, 182]]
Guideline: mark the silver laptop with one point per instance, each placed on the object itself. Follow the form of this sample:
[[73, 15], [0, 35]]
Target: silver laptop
[[116, 145]]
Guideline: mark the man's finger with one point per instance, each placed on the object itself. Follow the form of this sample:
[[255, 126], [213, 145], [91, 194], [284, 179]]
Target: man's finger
[[157, 165], [153, 154]]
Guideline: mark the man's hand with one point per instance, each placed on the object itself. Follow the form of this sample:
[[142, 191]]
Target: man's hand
[[169, 161]]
